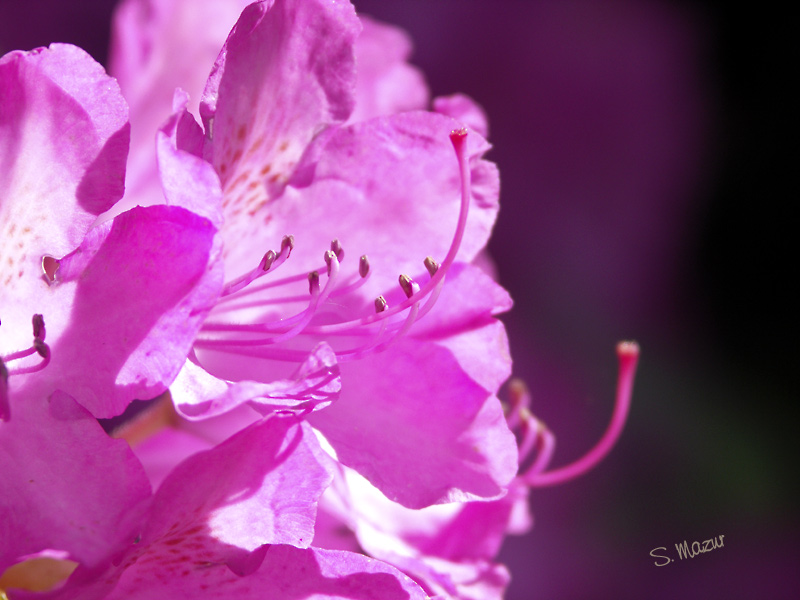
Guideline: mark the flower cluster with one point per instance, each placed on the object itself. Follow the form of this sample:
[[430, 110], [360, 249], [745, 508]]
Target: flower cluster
[[297, 278]]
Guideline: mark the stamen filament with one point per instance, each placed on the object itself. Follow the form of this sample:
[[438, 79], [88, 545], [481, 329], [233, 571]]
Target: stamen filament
[[628, 355], [19, 354], [301, 319]]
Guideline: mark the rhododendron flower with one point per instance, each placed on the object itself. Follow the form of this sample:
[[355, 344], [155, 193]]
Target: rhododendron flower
[[115, 307], [78, 515], [394, 375]]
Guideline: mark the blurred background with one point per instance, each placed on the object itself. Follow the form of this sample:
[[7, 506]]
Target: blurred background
[[643, 148]]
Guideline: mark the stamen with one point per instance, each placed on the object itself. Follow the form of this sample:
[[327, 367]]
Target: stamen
[[269, 262], [410, 287], [431, 265], [302, 319], [268, 259], [330, 255], [381, 304], [43, 350], [628, 355], [363, 266], [336, 247], [39, 331], [313, 283], [287, 245], [50, 267]]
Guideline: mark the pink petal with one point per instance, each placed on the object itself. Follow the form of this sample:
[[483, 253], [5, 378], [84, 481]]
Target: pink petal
[[199, 395], [139, 287], [186, 179], [66, 485], [287, 573], [418, 428], [286, 72], [63, 143], [258, 487], [158, 45], [386, 83]]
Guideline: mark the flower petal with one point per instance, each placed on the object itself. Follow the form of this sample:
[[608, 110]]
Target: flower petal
[[63, 143], [386, 83], [418, 428], [287, 573], [199, 395], [66, 485], [286, 72], [139, 289], [158, 45]]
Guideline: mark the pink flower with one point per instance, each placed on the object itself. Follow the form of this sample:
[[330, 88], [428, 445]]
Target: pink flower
[[296, 328], [126, 297]]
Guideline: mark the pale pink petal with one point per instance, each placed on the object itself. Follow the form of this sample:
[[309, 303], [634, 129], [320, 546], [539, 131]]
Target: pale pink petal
[[316, 383], [63, 142], [138, 289], [258, 487], [287, 573], [66, 485], [386, 84], [186, 179], [158, 45], [286, 72], [418, 428]]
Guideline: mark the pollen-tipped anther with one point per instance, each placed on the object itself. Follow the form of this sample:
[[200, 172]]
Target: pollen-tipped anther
[[330, 256], [380, 304], [39, 331], [410, 287], [363, 265], [336, 247], [431, 265], [287, 245], [268, 259], [50, 267], [313, 282]]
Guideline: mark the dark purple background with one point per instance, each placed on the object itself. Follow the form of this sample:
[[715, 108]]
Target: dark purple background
[[643, 149]]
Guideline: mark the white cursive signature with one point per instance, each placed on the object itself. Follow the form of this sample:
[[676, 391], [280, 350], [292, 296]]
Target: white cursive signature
[[686, 551]]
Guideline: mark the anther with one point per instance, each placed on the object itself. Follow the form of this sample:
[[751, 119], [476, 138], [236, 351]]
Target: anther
[[330, 256], [363, 265], [336, 247], [410, 287], [287, 244], [380, 304], [50, 267], [41, 348], [39, 330], [268, 259], [313, 282], [431, 265]]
